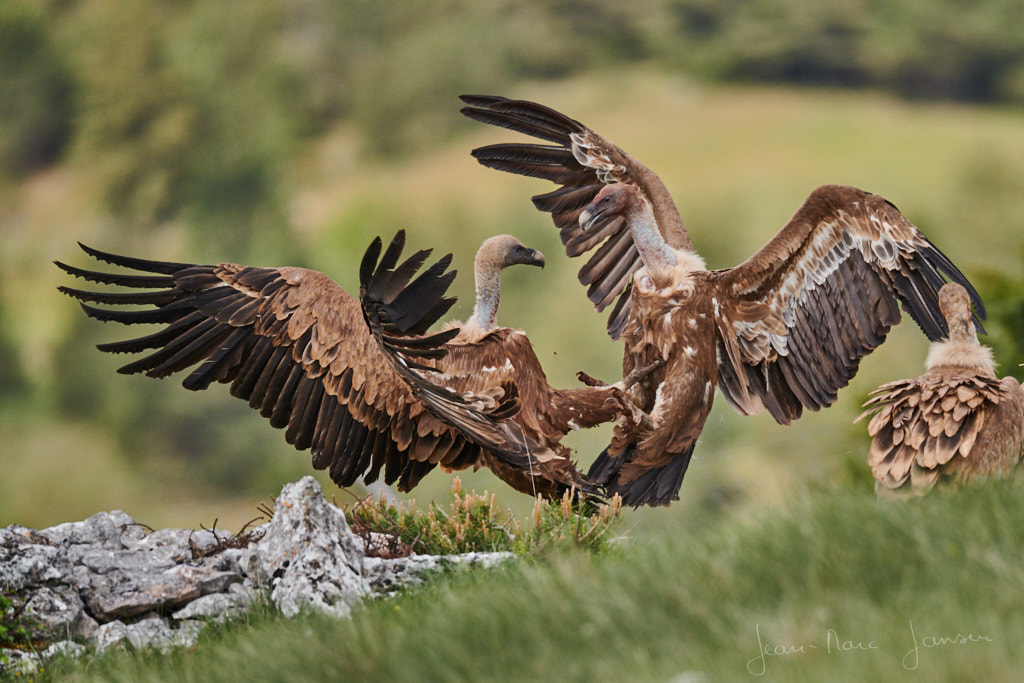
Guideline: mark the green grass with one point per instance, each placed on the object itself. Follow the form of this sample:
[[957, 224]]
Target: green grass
[[831, 572]]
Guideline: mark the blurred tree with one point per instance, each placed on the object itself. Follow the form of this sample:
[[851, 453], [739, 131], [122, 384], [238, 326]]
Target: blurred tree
[[137, 127], [918, 48], [189, 112], [219, 438], [13, 382], [1004, 298], [36, 91], [249, 116]]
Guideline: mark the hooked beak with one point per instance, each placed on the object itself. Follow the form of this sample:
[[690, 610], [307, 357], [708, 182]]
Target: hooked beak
[[589, 216], [534, 258]]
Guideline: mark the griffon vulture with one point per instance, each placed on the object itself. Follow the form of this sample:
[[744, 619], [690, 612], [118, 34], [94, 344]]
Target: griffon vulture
[[956, 422], [784, 330], [346, 377]]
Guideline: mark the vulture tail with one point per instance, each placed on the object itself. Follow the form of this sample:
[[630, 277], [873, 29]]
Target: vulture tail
[[605, 467], [658, 486]]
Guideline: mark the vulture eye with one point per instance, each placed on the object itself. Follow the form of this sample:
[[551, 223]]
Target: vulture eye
[[519, 249]]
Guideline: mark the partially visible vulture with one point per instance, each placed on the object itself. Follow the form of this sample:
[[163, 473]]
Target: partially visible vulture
[[784, 330], [349, 378], [956, 422]]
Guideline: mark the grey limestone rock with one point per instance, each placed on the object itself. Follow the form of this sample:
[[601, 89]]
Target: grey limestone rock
[[106, 580], [309, 555], [389, 575]]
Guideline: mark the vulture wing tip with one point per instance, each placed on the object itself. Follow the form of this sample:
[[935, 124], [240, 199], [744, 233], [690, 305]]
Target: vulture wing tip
[[481, 100]]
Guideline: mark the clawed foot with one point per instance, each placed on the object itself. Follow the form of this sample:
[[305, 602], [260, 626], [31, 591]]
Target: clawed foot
[[628, 381], [629, 410], [639, 374], [590, 381]]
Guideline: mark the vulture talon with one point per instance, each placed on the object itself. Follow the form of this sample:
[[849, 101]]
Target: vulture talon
[[590, 381], [638, 374]]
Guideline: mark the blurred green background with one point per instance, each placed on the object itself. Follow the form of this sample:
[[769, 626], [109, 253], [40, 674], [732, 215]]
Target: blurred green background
[[292, 132]]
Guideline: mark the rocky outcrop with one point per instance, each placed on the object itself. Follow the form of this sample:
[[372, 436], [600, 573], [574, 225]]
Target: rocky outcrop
[[106, 580]]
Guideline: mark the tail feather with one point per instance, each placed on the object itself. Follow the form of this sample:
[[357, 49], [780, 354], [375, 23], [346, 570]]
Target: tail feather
[[655, 487], [605, 468]]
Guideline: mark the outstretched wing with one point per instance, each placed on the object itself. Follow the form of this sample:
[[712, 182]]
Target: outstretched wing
[[820, 296], [297, 347], [582, 162]]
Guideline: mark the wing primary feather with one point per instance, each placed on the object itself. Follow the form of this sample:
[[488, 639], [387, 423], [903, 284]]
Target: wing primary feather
[[252, 367], [277, 402], [155, 340], [369, 261], [124, 280], [547, 155], [570, 198], [165, 267], [218, 366], [523, 110]]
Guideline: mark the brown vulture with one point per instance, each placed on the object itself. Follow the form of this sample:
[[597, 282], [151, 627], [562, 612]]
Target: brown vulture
[[784, 330], [956, 422], [361, 383]]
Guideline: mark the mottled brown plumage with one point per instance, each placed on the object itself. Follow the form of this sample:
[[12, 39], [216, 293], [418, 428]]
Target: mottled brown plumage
[[784, 330], [957, 422], [360, 383], [484, 355]]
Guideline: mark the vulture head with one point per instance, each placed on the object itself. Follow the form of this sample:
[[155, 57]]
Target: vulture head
[[962, 349], [496, 254], [617, 199], [623, 201], [956, 309], [502, 251]]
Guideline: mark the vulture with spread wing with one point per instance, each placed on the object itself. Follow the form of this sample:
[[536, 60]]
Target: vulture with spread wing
[[956, 422], [360, 383], [784, 330]]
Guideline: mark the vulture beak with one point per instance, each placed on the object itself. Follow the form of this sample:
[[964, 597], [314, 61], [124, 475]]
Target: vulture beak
[[589, 216], [534, 258]]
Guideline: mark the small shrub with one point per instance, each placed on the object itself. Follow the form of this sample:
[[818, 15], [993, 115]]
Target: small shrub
[[12, 631], [472, 522]]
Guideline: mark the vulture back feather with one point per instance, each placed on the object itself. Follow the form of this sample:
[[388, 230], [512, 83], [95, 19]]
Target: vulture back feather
[[957, 422]]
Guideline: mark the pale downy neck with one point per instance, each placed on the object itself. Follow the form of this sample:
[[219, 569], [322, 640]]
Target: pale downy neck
[[962, 349], [658, 257], [488, 294]]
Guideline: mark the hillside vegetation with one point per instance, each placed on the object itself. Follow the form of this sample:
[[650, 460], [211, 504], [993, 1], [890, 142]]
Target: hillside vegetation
[[836, 586]]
